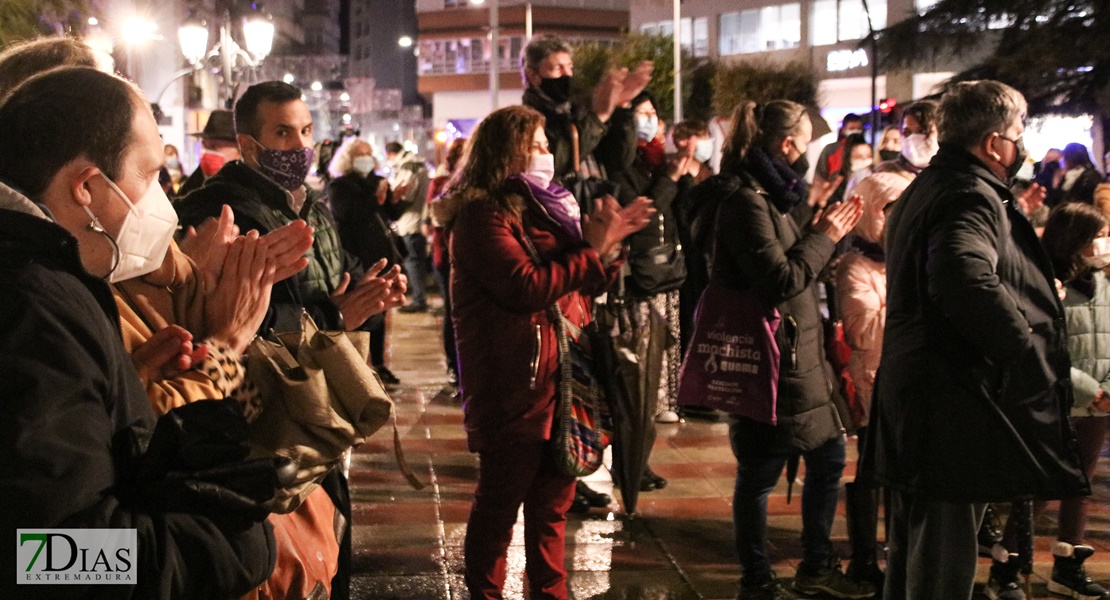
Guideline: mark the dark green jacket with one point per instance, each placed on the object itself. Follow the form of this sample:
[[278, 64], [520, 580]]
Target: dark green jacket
[[261, 204]]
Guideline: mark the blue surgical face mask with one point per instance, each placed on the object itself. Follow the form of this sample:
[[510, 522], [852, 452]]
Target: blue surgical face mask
[[703, 151], [646, 127]]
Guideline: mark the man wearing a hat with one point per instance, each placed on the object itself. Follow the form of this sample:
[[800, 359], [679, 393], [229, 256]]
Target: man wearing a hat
[[220, 146]]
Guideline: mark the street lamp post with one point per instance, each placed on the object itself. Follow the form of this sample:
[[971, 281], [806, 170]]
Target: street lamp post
[[495, 49], [233, 60]]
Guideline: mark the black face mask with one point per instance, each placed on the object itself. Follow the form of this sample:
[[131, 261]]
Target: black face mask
[[889, 154], [801, 166], [556, 88], [1019, 159]]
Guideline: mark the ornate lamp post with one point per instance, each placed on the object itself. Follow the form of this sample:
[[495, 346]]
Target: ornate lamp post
[[226, 59]]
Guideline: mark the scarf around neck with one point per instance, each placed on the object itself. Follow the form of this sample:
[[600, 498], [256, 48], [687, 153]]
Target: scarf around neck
[[869, 249], [558, 202], [786, 188]]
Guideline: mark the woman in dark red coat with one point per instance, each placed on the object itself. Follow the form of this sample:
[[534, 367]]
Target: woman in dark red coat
[[508, 361]]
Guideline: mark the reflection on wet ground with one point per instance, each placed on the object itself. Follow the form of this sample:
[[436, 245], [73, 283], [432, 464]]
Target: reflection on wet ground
[[408, 544]]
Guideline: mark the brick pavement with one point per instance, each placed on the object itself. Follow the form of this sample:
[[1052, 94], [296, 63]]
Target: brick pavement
[[408, 544]]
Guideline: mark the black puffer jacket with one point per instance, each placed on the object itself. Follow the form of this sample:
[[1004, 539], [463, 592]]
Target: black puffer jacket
[[972, 395], [71, 414], [260, 204], [758, 247]]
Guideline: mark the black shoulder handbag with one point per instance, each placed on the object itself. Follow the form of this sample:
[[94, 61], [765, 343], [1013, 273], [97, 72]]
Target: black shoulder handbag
[[659, 269]]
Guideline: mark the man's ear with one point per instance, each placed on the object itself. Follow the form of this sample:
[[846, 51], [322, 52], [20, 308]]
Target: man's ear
[[80, 182], [532, 77], [987, 146], [247, 147]]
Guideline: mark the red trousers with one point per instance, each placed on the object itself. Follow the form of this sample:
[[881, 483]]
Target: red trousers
[[507, 477]]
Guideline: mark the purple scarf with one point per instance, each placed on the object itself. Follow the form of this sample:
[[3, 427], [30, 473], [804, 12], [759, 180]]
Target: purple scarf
[[558, 202]]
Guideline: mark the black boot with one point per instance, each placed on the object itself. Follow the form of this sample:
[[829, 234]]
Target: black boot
[[990, 532], [862, 507], [1069, 578]]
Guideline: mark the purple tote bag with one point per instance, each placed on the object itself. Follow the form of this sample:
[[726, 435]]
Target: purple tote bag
[[732, 363]]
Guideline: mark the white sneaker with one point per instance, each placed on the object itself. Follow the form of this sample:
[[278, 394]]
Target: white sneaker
[[667, 416]]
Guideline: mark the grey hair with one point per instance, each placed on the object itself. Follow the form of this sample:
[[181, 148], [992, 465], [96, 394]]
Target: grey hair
[[972, 110], [539, 48]]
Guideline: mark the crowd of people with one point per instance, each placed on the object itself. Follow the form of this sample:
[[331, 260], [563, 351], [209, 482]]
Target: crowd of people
[[975, 305]]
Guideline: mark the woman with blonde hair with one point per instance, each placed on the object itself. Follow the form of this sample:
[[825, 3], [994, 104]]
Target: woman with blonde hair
[[503, 208], [360, 203]]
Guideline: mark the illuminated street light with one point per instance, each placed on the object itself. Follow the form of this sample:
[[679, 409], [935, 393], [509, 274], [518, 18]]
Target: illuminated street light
[[136, 30], [289, 78], [405, 41], [227, 58], [344, 97], [317, 86]]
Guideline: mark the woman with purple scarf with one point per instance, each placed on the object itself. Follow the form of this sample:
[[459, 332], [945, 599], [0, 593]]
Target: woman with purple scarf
[[502, 202]]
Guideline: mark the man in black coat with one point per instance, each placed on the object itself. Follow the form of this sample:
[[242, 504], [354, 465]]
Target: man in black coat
[[972, 395], [74, 416], [547, 68]]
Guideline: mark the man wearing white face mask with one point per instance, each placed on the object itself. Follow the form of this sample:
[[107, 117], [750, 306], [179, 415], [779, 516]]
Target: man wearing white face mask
[[88, 208]]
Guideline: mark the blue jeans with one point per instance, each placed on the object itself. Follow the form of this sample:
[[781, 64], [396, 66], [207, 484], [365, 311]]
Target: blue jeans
[[416, 261], [756, 476]]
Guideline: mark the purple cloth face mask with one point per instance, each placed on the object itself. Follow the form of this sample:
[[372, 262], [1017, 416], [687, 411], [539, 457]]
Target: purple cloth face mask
[[288, 168]]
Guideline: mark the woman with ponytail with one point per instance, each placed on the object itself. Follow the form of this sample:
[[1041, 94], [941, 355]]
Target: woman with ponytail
[[758, 247]]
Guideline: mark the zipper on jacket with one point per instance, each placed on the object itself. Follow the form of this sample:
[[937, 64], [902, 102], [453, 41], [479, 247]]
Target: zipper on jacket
[[792, 334], [535, 364]]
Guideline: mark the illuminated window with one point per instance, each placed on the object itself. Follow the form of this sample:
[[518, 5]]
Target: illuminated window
[[759, 30], [835, 21], [696, 30]]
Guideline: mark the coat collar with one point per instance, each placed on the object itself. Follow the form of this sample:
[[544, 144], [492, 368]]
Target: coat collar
[[270, 193], [954, 158]]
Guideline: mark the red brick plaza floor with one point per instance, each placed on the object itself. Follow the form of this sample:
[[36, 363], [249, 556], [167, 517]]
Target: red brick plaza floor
[[408, 544]]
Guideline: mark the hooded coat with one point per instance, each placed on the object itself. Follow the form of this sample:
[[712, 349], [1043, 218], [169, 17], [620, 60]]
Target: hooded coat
[[973, 391], [861, 284]]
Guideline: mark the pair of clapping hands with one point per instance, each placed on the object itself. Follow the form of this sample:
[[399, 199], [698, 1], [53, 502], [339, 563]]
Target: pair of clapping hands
[[238, 273], [606, 227]]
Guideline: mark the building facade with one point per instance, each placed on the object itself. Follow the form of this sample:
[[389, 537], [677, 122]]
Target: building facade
[[454, 55], [830, 37]]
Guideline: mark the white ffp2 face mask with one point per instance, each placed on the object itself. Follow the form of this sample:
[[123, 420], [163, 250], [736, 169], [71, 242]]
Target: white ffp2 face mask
[[919, 149], [1101, 257], [364, 165], [542, 168], [703, 151], [145, 235]]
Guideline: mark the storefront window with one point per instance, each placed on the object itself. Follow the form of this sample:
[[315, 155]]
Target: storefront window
[[842, 20], [759, 30], [701, 37]]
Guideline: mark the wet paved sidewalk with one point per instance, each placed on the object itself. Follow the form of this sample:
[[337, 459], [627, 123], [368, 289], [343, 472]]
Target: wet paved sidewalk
[[408, 544]]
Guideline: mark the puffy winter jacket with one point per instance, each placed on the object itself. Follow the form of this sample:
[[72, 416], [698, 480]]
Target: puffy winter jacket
[[1089, 343], [508, 360]]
